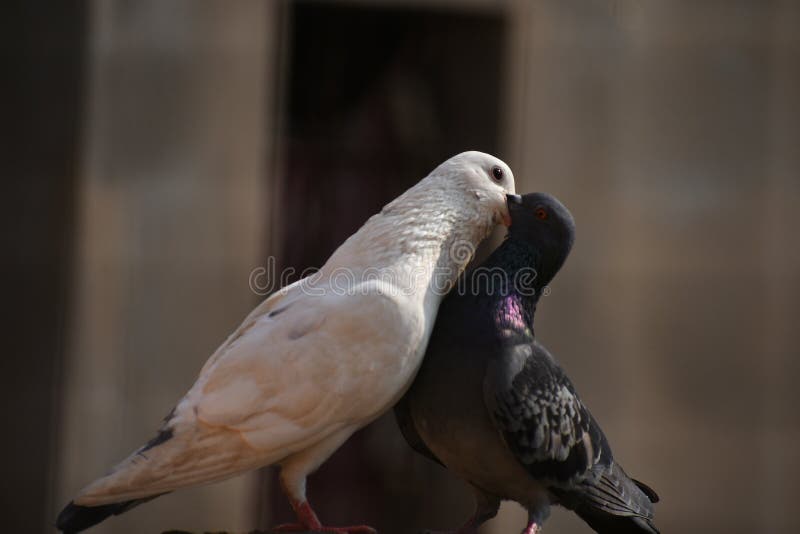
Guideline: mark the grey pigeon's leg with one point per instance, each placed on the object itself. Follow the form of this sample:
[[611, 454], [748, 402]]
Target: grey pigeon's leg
[[486, 507], [536, 518]]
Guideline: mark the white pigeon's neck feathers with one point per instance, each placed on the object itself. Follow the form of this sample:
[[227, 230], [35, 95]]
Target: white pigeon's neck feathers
[[426, 228]]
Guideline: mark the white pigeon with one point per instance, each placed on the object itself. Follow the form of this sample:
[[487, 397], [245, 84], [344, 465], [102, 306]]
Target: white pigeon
[[322, 357]]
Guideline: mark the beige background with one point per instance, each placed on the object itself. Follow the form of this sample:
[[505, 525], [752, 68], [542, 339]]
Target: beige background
[[670, 128]]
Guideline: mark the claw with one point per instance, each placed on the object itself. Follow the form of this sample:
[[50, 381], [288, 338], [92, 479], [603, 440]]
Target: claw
[[307, 520]]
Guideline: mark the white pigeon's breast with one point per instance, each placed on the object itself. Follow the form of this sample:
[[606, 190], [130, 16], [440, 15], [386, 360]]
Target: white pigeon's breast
[[386, 348]]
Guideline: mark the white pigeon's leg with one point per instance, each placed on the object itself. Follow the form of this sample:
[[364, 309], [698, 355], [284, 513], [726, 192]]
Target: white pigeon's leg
[[294, 471], [486, 507]]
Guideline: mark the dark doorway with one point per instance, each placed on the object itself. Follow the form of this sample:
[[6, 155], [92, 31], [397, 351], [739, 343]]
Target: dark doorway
[[377, 97]]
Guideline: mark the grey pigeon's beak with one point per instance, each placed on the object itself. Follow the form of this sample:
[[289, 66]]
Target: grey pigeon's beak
[[513, 199], [510, 201]]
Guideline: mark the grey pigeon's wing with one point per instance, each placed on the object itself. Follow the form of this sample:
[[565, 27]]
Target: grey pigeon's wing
[[544, 423], [610, 501], [535, 407], [402, 413]]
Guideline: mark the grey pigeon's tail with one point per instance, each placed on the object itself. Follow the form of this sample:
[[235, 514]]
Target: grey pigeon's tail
[[75, 518], [613, 503], [605, 523]]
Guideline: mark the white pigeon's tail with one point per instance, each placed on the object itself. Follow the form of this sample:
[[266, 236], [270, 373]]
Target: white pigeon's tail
[[167, 462], [75, 518]]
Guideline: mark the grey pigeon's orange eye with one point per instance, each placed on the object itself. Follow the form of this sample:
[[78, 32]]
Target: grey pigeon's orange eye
[[497, 173], [541, 214]]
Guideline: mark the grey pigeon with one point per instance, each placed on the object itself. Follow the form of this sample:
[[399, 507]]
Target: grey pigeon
[[492, 405]]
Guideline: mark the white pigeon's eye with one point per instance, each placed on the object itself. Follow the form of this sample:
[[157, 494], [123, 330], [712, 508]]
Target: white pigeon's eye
[[497, 174]]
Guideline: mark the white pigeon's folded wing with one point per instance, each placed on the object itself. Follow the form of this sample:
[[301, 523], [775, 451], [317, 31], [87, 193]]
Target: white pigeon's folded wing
[[273, 304], [276, 384], [286, 379]]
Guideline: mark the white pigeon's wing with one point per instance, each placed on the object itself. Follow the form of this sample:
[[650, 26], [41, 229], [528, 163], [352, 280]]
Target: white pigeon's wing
[[304, 368], [273, 382], [274, 302]]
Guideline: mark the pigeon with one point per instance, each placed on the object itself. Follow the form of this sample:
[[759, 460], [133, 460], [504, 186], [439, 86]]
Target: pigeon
[[320, 358], [491, 404]]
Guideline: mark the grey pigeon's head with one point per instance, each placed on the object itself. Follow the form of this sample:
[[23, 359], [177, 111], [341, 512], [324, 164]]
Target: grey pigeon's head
[[545, 225]]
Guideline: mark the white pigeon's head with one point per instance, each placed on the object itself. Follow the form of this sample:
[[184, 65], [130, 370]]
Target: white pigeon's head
[[457, 205], [485, 180]]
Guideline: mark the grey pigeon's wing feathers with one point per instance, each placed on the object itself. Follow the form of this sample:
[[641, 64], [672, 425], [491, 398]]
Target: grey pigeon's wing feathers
[[544, 423], [536, 409], [402, 413], [610, 501]]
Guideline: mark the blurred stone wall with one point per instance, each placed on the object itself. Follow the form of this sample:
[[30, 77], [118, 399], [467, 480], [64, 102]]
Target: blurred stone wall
[[669, 127], [172, 213]]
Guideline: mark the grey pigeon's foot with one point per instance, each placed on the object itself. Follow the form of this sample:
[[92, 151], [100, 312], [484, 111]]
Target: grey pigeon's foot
[[532, 528]]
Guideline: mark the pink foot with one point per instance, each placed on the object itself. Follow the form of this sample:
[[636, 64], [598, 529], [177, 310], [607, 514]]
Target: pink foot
[[533, 528], [308, 521]]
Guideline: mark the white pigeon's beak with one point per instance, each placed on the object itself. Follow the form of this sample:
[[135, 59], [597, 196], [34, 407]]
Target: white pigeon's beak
[[510, 199]]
